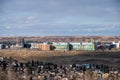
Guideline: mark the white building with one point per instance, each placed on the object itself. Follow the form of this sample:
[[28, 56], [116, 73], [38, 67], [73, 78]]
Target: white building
[[34, 45], [116, 44]]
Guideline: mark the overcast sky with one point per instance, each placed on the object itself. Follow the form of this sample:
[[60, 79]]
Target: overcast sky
[[59, 17]]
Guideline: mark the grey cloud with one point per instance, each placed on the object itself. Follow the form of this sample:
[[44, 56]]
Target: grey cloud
[[61, 17]]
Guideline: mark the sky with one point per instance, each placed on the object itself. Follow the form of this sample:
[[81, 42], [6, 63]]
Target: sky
[[59, 17]]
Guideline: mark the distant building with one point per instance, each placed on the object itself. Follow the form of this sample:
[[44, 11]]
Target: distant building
[[34, 45], [61, 46], [75, 46], [20, 43], [2, 46], [45, 46], [116, 44], [88, 46]]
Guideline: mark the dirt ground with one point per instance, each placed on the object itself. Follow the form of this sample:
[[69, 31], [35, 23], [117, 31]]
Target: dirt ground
[[61, 57]]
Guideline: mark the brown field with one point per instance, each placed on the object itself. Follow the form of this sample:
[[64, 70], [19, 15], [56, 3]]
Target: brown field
[[69, 57]]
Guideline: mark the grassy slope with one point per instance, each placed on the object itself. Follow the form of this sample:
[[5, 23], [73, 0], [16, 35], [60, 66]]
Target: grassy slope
[[60, 57]]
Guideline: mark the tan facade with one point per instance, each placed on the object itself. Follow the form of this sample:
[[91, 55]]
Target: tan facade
[[44, 46]]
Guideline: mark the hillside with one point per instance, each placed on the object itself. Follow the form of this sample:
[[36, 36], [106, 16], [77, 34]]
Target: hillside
[[61, 57], [62, 38]]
